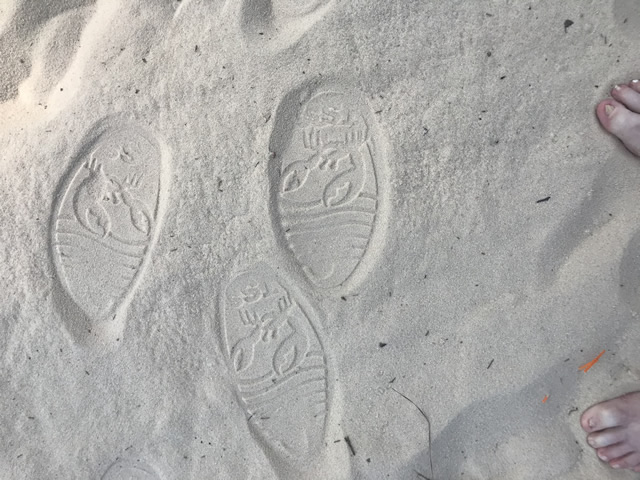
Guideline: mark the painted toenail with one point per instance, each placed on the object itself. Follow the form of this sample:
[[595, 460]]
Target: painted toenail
[[635, 81], [608, 110]]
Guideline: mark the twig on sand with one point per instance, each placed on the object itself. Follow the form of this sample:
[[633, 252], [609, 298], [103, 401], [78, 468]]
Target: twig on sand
[[350, 445], [428, 426]]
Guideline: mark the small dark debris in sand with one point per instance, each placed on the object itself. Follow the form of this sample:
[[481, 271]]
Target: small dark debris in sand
[[542, 200], [382, 344], [425, 131], [393, 380], [344, 298], [195, 49], [337, 441], [350, 445], [490, 363], [503, 77], [489, 54], [368, 460], [567, 24], [574, 409], [420, 475]]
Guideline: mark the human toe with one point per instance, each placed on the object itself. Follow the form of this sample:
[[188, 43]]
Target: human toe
[[631, 460], [628, 96], [621, 122], [601, 416], [606, 437], [613, 452]]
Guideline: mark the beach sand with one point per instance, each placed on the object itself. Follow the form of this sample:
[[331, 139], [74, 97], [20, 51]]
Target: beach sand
[[319, 239]]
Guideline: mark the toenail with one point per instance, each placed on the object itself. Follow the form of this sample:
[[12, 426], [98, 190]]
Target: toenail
[[591, 442], [635, 81], [615, 465], [608, 110], [617, 87], [603, 457]]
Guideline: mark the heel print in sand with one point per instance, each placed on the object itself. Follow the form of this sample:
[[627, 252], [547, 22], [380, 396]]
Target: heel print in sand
[[108, 216], [122, 470], [272, 345], [279, 24], [326, 180]]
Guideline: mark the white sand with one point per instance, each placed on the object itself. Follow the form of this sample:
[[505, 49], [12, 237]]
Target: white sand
[[254, 239]]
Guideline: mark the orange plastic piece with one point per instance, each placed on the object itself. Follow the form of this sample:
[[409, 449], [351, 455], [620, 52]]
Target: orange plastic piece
[[585, 368], [544, 400]]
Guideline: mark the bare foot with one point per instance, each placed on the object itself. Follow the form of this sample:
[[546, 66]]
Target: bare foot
[[614, 430], [620, 115]]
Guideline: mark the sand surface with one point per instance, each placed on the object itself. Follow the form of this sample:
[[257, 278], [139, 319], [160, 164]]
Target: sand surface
[[313, 239]]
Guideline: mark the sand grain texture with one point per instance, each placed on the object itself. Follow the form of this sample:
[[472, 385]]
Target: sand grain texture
[[258, 239]]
